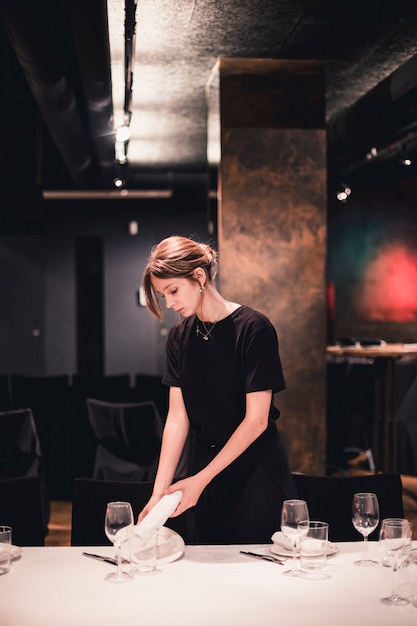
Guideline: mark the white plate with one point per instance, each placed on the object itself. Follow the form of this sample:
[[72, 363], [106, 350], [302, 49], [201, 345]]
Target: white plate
[[16, 552], [281, 550], [170, 547]]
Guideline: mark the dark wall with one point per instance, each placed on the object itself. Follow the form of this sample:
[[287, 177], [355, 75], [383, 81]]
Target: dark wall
[[38, 283]]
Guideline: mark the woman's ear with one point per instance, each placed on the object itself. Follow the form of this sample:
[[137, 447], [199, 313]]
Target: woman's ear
[[200, 276]]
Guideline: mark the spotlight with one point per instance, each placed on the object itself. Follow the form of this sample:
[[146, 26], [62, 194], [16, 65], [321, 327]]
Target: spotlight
[[123, 133], [406, 161], [372, 153], [343, 192]]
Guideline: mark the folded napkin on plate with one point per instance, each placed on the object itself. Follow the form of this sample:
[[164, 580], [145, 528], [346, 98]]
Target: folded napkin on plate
[[158, 515], [281, 540]]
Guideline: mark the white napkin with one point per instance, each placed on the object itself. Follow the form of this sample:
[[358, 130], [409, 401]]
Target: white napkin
[[158, 515], [281, 540]]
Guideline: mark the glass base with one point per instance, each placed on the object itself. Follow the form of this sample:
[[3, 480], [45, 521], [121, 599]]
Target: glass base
[[119, 577], [396, 601], [292, 572], [313, 575], [145, 571], [366, 563]]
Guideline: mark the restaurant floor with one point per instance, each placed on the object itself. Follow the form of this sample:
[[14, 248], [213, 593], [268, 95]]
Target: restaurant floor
[[59, 529]]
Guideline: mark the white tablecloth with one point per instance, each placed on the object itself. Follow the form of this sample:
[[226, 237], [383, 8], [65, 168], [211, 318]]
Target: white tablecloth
[[207, 586]]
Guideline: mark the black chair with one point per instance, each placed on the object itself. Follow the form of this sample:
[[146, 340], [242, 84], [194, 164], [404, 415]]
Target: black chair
[[349, 410], [111, 388], [89, 508], [406, 424], [128, 439], [21, 507], [329, 499], [150, 387], [21, 453], [50, 400]]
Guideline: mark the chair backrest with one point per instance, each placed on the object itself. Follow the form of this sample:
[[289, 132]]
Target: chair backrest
[[50, 400], [20, 452], [129, 437], [21, 507], [89, 507], [329, 499], [19, 441], [150, 387], [132, 430], [114, 388]]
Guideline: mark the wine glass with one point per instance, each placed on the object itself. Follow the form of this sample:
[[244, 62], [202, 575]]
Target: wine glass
[[365, 518], [118, 520], [395, 543], [294, 511]]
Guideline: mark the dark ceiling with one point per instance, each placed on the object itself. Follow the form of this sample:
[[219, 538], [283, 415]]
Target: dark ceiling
[[55, 96]]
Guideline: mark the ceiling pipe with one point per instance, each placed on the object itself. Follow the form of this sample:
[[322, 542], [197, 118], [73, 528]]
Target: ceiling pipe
[[37, 49], [89, 25], [379, 118]]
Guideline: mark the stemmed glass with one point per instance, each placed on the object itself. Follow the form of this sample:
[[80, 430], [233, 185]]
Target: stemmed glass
[[365, 518], [395, 543], [118, 520], [294, 511]]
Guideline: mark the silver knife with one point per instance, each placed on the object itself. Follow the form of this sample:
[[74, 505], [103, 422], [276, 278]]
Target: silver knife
[[105, 559], [264, 557]]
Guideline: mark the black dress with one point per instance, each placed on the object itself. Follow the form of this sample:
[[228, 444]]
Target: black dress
[[243, 503]]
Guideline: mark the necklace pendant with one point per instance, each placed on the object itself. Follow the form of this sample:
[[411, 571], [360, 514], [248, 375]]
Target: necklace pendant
[[205, 337]]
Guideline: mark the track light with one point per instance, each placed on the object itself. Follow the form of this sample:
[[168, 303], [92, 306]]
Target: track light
[[343, 192], [406, 161], [123, 133]]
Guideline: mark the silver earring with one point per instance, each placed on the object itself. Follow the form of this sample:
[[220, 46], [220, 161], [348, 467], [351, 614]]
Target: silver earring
[[202, 288]]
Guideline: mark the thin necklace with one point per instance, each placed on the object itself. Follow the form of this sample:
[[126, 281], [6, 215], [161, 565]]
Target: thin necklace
[[207, 334]]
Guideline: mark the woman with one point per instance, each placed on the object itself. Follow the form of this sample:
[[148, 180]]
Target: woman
[[222, 368]]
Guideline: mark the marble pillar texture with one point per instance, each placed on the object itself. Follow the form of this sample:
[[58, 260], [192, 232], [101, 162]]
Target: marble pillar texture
[[272, 234]]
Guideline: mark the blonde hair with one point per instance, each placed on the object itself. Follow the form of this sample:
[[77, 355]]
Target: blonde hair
[[176, 257]]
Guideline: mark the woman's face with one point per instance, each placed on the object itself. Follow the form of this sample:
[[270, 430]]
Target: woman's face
[[181, 294]]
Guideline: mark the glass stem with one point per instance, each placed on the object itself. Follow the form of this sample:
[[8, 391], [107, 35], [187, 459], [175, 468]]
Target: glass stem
[[394, 581], [119, 559], [294, 553], [365, 547]]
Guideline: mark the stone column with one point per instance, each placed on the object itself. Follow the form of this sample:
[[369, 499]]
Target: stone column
[[272, 227]]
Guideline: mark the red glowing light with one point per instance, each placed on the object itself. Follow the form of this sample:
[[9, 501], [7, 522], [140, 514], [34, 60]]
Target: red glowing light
[[389, 287]]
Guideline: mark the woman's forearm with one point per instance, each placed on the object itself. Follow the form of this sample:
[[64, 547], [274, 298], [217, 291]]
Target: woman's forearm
[[173, 441]]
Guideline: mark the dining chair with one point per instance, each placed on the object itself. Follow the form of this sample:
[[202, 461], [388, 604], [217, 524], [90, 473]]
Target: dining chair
[[329, 499], [50, 401], [349, 403], [21, 453], [107, 388], [129, 436], [90, 498], [406, 431], [150, 387], [21, 507]]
